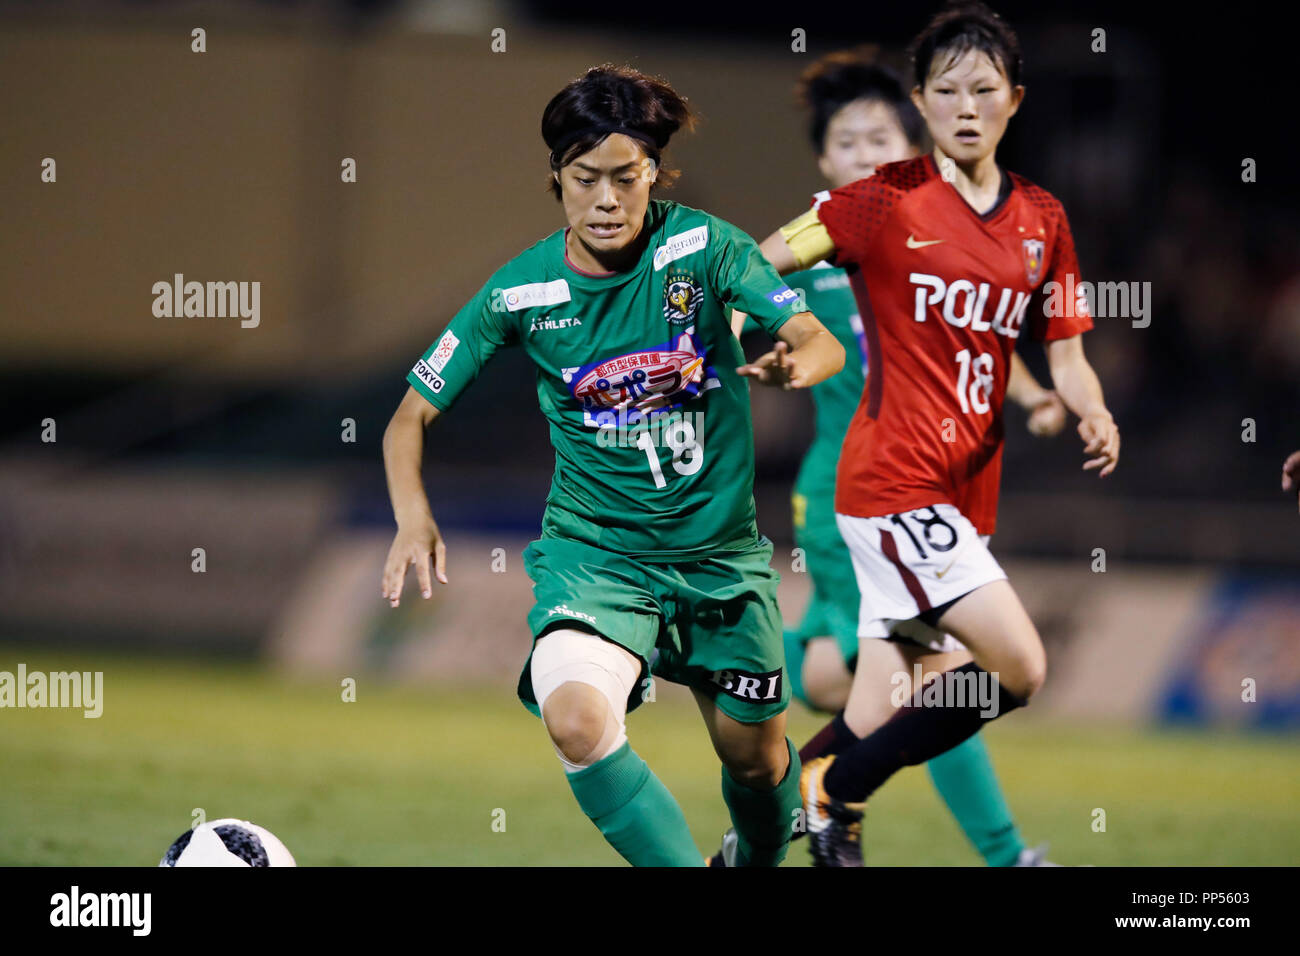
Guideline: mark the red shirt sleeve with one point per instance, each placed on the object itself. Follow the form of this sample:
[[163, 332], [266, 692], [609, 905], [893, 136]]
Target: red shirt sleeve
[[852, 215], [1060, 310]]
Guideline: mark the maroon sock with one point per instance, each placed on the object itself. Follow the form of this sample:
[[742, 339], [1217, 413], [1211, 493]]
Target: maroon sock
[[915, 734], [834, 738]]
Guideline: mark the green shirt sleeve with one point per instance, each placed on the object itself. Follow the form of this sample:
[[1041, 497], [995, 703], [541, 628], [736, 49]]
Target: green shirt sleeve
[[801, 282], [746, 281], [471, 338]]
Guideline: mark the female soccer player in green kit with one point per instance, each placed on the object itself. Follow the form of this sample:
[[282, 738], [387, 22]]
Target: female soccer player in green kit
[[648, 540], [949, 257], [860, 119]]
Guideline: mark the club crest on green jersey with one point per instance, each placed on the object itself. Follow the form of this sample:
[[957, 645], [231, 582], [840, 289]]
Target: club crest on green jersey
[[682, 298]]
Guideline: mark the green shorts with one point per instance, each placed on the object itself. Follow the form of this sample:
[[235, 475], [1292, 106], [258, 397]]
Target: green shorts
[[833, 609], [711, 624]]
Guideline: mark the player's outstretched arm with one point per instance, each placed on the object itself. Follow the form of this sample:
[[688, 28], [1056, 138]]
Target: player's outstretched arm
[[417, 533], [1045, 408], [778, 252], [805, 354], [799, 244], [1079, 388]]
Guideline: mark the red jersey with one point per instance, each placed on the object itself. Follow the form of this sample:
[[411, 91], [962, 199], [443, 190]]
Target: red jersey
[[943, 293]]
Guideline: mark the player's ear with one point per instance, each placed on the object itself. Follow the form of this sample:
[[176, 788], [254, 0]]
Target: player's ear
[[918, 100], [824, 167], [1017, 97]]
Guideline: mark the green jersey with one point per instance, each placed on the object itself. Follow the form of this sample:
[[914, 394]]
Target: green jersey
[[636, 375], [825, 292]]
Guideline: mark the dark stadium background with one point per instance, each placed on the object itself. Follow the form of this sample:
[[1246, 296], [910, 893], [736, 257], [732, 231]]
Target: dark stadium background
[[180, 433]]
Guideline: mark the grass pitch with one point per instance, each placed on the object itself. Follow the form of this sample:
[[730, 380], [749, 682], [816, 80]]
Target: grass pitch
[[466, 776]]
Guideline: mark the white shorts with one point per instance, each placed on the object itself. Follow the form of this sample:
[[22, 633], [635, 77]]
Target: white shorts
[[909, 563]]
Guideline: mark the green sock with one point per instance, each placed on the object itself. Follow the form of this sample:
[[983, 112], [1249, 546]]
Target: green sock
[[634, 811], [965, 779], [764, 819]]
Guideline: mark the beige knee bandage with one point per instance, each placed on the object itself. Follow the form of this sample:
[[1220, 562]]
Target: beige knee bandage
[[573, 656]]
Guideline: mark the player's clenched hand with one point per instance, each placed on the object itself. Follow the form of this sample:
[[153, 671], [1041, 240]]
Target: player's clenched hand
[[413, 545], [1048, 416], [1101, 438], [777, 368], [1291, 472]]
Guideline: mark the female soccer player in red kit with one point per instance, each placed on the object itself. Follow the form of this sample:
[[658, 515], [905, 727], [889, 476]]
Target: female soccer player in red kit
[[949, 257]]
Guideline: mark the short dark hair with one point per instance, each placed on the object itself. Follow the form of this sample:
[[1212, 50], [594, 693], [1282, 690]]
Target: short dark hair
[[964, 26], [846, 76], [610, 95]]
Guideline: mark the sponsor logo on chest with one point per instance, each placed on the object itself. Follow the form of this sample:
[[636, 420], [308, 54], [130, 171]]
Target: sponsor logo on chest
[[963, 304], [531, 295], [547, 324], [647, 379], [682, 244]]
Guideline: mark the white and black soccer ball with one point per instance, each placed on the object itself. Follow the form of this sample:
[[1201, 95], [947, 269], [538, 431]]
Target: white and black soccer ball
[[227, 842]]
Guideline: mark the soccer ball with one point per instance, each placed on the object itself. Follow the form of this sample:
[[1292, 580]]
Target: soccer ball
[[227, 842]]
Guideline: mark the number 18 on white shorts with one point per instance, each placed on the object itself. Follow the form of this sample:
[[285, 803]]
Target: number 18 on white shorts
[[911, 563]]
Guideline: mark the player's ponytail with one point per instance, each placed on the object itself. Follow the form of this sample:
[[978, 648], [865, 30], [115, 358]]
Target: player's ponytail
[[613, 99]]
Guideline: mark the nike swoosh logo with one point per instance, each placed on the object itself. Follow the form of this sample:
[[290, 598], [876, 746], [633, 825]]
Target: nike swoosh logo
[[913, 243], [940, 574]]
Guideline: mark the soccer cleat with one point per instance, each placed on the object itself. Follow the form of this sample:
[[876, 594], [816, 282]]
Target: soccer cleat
[[834, 828], [726, 855], [1035, 857]]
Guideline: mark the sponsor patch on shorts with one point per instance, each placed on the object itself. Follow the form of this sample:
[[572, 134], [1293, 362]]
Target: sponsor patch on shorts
[[762, 688]]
